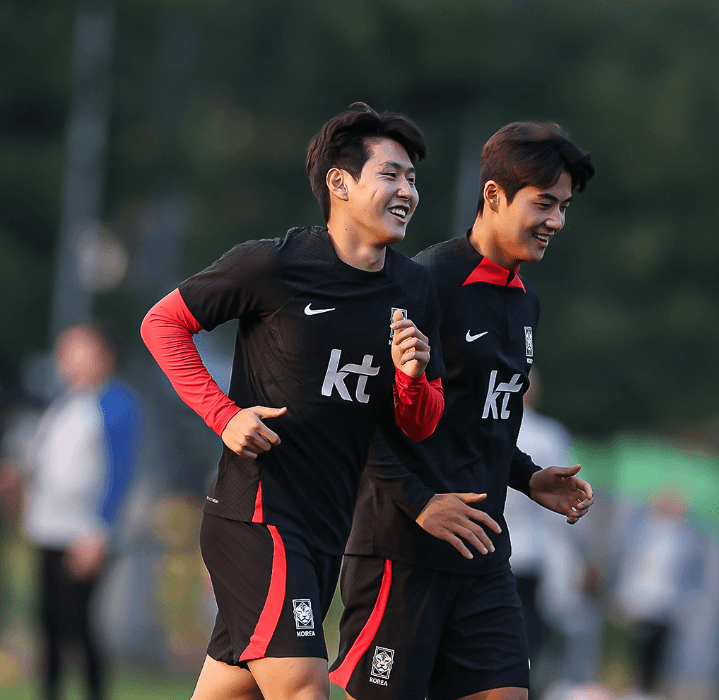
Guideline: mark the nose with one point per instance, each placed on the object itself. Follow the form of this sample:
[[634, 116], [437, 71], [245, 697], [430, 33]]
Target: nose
[[406, 191], [555, 220]]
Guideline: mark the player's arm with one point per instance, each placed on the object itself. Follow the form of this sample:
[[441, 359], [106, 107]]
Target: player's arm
[[447, 516], [419, 403], [167, 331], [521, 471]]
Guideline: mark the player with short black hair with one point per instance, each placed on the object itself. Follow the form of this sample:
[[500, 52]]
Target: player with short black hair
[[524, 154], [325, 353], [424, 617], [345, 142]]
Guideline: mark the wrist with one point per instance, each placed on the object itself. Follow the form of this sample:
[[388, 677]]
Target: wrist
[[408, 381]]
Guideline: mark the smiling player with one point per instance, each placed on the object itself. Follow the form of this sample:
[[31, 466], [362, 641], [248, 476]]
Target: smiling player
[[325, 351], [423, 616]]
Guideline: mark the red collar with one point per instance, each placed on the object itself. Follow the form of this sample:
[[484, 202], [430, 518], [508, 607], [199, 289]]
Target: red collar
[[487, 271]]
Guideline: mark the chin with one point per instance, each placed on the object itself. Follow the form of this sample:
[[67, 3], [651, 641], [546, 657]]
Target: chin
[[392, 237], [533, 256]]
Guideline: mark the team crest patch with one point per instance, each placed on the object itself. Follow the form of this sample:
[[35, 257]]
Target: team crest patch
[[382, 663], [304, 620], [528, 343], [391, 320]]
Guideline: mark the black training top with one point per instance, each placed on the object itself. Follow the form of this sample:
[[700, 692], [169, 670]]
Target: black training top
[[314, 336], [488, 320]]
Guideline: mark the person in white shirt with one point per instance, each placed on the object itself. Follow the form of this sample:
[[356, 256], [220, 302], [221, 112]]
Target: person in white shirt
[[79, 465]]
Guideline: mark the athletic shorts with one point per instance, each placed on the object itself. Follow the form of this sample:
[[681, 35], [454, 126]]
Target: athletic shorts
[[272, 590], [410, 633]]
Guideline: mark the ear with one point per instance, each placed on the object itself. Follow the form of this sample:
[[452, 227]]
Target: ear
[[491, 195], [336, 183]]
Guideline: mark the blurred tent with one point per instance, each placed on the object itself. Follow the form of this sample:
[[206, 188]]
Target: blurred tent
[[637, 468]]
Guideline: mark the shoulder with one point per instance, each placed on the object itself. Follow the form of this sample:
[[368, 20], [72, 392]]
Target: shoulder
[[256, 259], [448, 265], [306, 244], [271, 249], [532, 295], [528, 287], [118, 401], [82, 412], [251, 252], [440, 256], [413, 277]]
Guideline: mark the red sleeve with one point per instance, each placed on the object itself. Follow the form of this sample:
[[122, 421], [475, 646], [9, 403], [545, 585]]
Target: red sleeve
[[418, 404], [167, 331]]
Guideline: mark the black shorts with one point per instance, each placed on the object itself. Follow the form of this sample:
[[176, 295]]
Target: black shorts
[[410, 633], [272, 591]]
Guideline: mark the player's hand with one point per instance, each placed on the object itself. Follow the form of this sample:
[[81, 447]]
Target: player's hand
[[247, 435], [86, 556], [410, 349], [560, 490], [448, 517]]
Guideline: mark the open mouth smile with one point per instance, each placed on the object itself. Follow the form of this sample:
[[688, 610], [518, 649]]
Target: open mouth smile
[[400, 212]]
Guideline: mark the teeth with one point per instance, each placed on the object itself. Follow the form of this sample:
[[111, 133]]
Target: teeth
[[398, 211], [544, 239]]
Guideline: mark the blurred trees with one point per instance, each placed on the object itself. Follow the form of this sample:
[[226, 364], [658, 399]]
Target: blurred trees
[[215, 101]]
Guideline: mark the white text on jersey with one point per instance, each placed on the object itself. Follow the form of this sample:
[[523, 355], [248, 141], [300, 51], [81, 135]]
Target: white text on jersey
[[506, 388], [335, 377]]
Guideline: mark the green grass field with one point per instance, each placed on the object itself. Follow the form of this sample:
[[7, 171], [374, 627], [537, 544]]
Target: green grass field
[[127, 686], [131, 686]]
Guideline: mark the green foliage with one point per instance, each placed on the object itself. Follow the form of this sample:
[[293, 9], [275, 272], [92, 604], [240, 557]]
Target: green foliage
[[217, 100]]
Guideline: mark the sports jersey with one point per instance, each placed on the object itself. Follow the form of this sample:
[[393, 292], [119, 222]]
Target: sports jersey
[[314, 336], [488, 321]]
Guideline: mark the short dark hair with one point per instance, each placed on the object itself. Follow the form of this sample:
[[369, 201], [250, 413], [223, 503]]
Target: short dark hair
[[344, 142], [532, 154]]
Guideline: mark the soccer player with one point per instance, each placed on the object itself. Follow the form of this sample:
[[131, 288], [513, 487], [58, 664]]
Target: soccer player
[[425, 616], [325, 352]]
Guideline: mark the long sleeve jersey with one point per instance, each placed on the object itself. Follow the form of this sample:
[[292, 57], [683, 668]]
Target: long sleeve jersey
[[488, 321]]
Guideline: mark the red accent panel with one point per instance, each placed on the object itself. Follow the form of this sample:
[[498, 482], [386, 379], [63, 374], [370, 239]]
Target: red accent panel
[[270, 615], [488, 271], [257, 515], [167, 331], [341, 675], [418, 404]]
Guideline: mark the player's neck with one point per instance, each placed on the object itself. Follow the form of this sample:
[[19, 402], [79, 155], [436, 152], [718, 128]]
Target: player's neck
[[486, 240], [354, 249]]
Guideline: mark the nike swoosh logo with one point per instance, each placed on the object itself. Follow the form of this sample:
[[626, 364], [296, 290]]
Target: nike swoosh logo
[[312, 312], [471, 338]]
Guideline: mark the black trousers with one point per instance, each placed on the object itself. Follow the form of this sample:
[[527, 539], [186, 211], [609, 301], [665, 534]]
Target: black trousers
[[66, 625]]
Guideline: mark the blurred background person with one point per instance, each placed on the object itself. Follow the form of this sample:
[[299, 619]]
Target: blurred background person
[[659, 564], [79, 465], [550, 561]]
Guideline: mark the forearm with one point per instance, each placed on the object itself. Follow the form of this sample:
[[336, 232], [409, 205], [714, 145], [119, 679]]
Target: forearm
[[167, 331], [521, 471], [388, 472], [418, 404]]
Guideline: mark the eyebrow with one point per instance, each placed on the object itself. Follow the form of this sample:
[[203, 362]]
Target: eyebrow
[[552, 198], [398, 166]]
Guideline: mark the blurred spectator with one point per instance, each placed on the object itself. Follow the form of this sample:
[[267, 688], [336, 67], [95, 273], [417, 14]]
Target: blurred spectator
[[79, 465], [659, 564], [550, 564]]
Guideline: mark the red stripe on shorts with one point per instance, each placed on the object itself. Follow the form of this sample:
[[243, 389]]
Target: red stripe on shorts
[[341, 675], [270, 614], [257, 515]]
